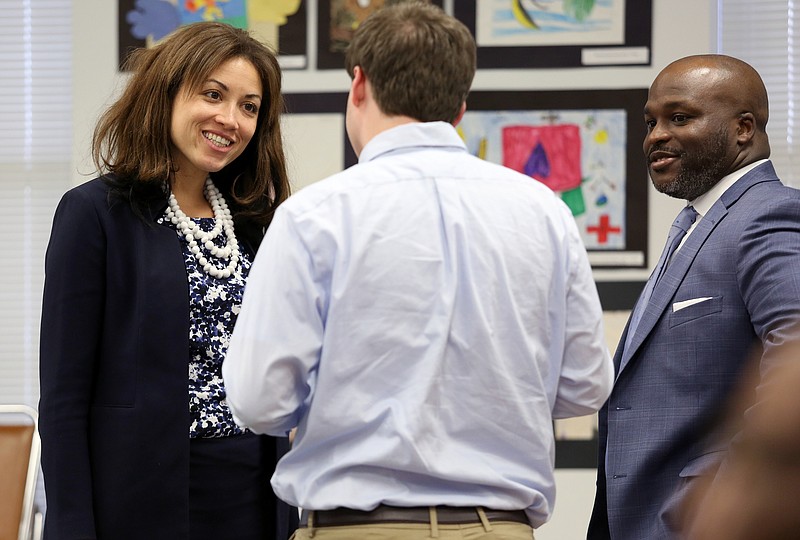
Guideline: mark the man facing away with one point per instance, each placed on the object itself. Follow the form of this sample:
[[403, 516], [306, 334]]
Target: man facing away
[[420, 317], [730, 285]]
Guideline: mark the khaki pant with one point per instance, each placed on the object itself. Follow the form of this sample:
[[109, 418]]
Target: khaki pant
[[484, 530]]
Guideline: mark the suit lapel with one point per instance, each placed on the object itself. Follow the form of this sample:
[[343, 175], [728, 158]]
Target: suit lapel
[[673, 276]]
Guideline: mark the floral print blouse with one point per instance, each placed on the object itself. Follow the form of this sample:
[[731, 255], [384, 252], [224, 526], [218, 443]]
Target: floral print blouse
[[214, 305]]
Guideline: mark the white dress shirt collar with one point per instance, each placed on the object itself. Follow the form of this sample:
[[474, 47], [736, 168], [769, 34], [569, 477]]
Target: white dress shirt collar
[[704, 202], [411, 136]]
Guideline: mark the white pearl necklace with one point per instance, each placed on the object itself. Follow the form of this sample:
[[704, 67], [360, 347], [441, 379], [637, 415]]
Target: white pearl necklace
[[197, 238]]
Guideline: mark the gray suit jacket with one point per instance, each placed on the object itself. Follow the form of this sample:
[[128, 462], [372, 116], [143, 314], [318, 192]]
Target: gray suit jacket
[[658, 429]]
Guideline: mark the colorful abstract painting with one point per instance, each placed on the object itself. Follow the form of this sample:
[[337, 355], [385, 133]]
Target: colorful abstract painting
[[278, 23], [549, 22], [579, 154], [558, 33]]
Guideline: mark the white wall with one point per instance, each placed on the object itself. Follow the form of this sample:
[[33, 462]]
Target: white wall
[[680, 28]]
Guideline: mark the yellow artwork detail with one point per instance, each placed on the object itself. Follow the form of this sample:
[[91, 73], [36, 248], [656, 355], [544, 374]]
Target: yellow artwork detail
[[273, 11]]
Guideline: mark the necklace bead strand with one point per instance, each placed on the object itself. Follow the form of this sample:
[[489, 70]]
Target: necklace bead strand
[[200, 240]]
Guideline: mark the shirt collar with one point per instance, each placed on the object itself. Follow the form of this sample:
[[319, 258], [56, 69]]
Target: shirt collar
[[704, 202], [412, 135]]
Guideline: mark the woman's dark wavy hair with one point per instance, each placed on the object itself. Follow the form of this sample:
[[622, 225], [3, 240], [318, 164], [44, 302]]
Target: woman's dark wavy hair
[[132, 141]]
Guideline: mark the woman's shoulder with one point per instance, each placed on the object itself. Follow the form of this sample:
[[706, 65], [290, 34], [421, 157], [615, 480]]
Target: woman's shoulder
[[92, 193], [103, 196], [96, 187], [146, 200]]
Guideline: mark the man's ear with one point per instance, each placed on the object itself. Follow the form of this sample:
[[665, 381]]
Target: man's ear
[[460, 114], [358, 87], [747, 127]]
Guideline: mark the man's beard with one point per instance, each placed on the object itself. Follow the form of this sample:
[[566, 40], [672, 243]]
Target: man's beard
[[700, 173]]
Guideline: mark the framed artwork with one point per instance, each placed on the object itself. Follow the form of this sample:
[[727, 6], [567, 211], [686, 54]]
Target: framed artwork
[[558, 33], [281, 24], [583, 144], [336, 22]]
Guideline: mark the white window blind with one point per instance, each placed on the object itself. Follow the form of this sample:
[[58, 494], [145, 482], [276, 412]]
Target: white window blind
[[35, 161], [764, 33]]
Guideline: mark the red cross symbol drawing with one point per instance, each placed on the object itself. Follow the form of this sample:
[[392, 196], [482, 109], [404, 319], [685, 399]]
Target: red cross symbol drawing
[[603, 229]]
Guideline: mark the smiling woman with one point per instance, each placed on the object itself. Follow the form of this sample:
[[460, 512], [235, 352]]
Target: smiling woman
[[213, 123], [144, 277]]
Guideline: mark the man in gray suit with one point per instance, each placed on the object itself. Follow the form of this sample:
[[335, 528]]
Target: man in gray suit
[[728, 281]]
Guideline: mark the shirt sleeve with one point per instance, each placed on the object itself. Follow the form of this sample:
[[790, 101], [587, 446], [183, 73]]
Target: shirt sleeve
[[587, 372], [276, 343]]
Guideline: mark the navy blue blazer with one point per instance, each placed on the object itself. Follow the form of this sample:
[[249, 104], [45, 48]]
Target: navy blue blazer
[[114, 416], [734, 286]]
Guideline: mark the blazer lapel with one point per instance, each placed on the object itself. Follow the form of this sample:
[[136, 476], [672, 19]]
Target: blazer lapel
[[672, 277], [682, 260]]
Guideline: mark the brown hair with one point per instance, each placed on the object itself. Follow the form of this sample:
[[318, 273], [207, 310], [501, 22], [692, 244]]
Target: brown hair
[[132, 138], [419, 60]]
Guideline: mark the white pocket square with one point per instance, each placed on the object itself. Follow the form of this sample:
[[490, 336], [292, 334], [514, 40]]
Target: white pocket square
[[677, 306]]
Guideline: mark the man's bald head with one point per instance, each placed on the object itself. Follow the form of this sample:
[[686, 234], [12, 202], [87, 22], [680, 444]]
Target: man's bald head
[[706, 117], [728, 80]]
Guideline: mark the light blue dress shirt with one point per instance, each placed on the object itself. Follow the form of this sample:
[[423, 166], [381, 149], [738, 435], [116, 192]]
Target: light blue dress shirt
[[421, 317]]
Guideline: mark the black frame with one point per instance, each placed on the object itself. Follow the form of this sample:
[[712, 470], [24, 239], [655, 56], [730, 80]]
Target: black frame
[[638, 33], [293, 40], [632, 101]]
